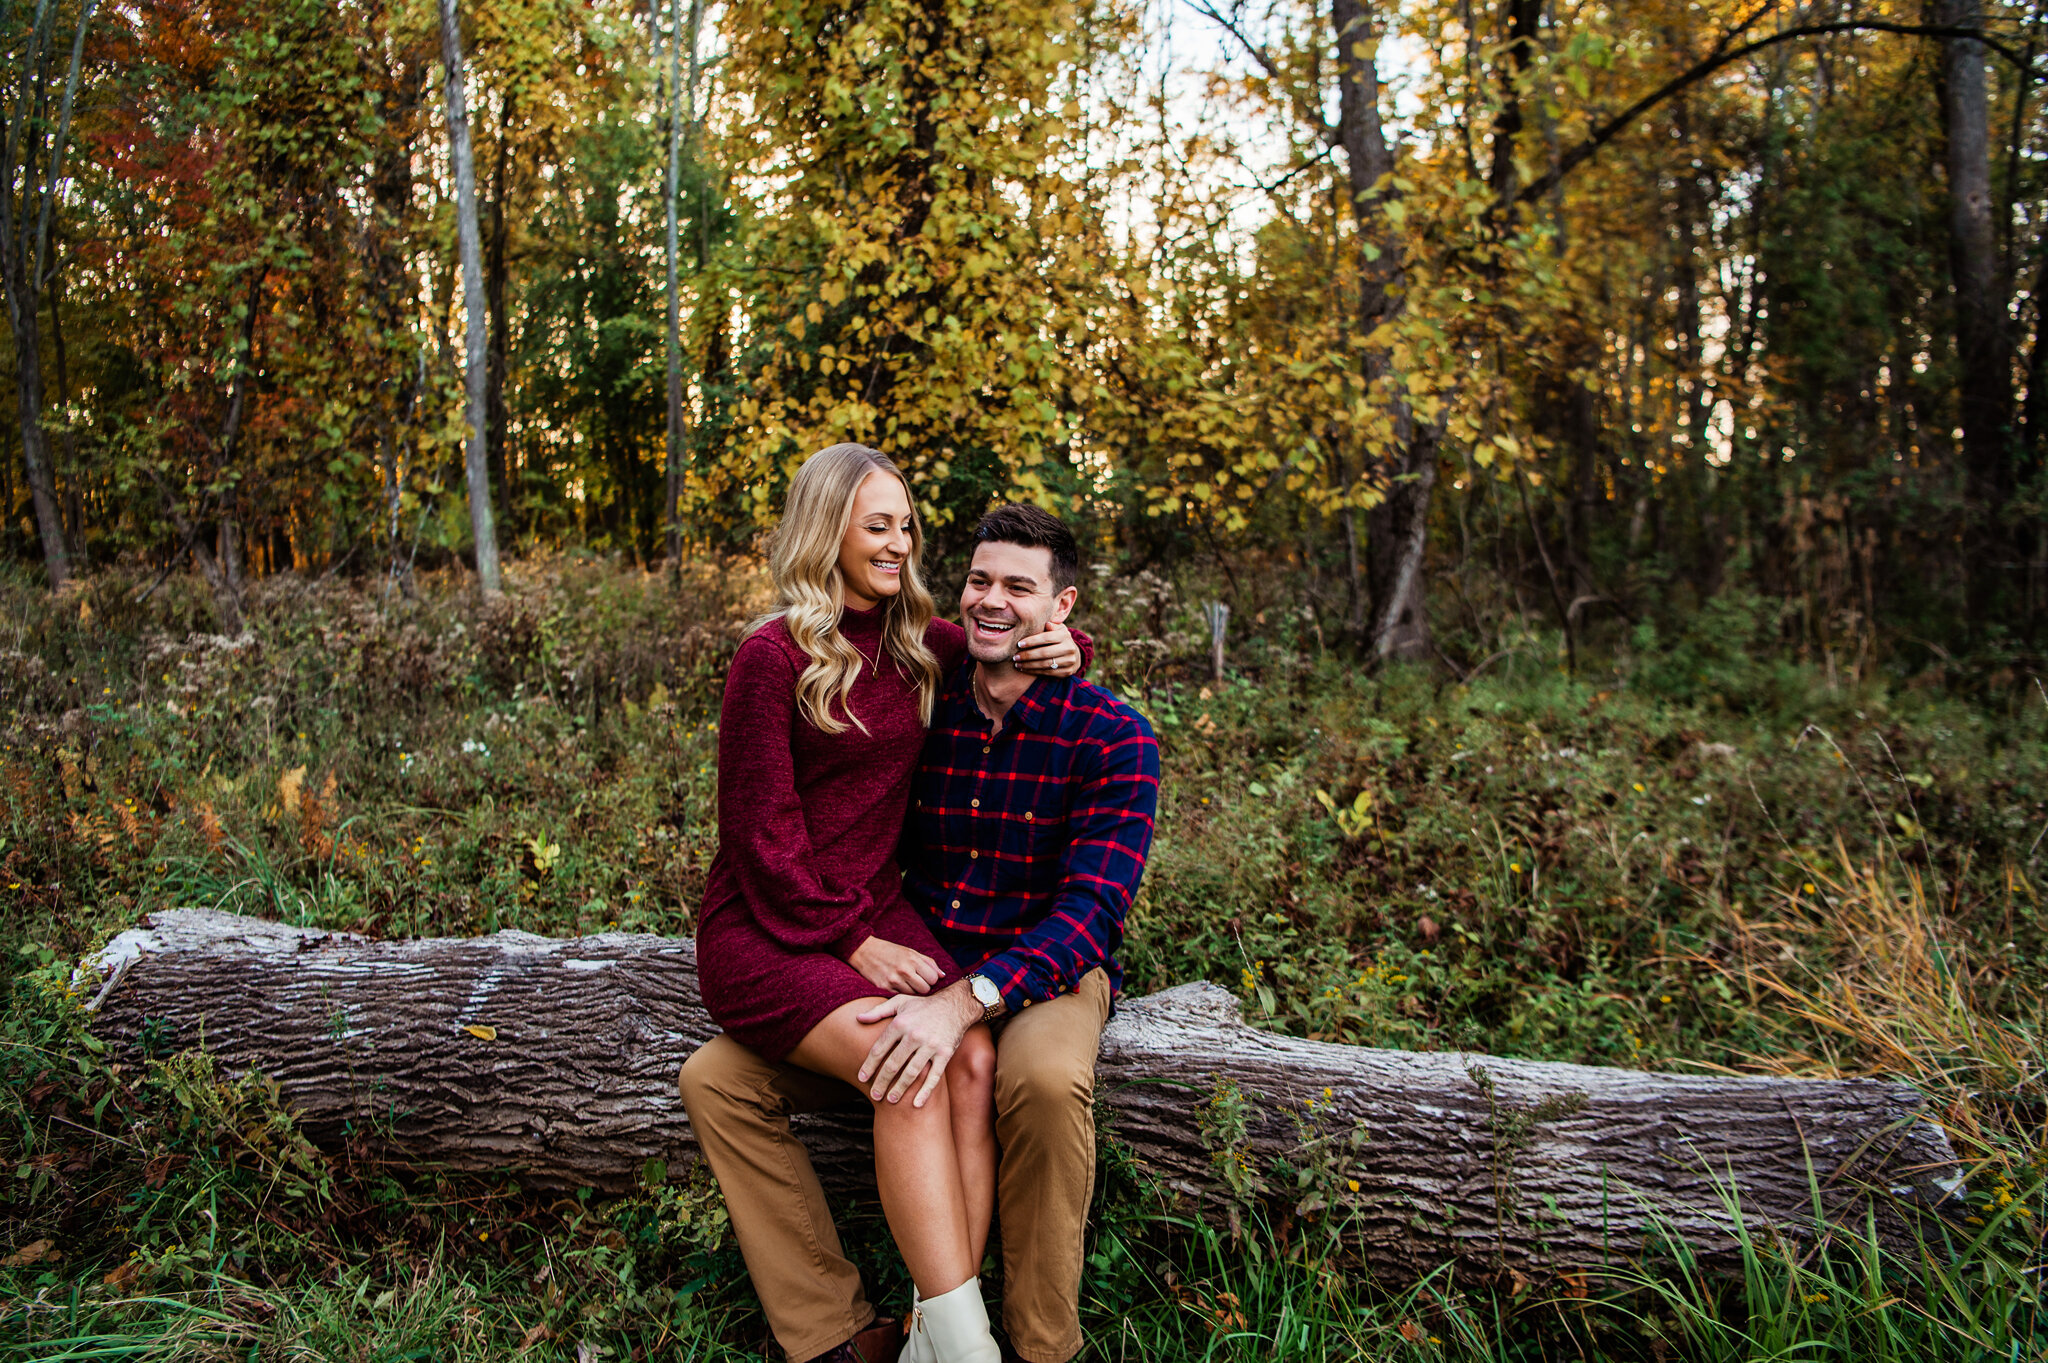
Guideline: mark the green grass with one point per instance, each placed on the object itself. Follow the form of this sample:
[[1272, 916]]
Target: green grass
[[1698, 856]]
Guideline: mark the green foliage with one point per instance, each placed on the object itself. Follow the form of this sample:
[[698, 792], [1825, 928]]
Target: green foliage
[[927, 281], [1553, 867]]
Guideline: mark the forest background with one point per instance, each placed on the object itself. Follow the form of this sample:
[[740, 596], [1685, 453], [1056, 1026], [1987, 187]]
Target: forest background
[[1616, 430]]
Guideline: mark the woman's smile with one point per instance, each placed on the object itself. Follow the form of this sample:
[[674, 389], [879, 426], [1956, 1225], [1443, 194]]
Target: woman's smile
[[877, 542]]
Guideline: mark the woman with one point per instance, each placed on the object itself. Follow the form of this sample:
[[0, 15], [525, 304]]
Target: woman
[[804, 926]]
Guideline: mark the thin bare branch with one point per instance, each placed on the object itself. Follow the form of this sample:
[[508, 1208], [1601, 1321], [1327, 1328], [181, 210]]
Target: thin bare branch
[[39, 261], [1308, 113], [1723, 55]]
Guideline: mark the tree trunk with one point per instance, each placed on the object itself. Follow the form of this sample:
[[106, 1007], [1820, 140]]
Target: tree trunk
[[497, 419], [35, 445], [1397, 540], [672, 482], [476, 463], [24, 255], [557, 1059], [1524, 20], [394, 292], [72, 488], [1397, 529], [1983, 348]]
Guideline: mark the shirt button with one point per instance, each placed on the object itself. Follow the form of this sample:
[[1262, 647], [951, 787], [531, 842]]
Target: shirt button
[[1027, 816], [975, 803], [973, 856], [984, 747], [956, 903]]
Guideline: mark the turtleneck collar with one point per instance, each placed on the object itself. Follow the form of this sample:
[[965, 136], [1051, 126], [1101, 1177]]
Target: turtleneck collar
[[865, 624]]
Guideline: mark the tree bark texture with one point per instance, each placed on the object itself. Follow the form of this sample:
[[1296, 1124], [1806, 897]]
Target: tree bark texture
[[1397, 528], [476, 459], [1524, 21], [497, 455], [28, 198], [1983, 344], [672, 467], [557, 1059]]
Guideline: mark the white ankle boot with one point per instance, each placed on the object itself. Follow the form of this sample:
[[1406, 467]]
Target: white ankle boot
[[917, 1345], [951, 1328]]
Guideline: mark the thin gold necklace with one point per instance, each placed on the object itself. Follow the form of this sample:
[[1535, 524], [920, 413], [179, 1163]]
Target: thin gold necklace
[[984, 702]]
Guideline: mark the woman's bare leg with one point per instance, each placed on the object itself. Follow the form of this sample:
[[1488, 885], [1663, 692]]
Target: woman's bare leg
[[916, 1168], [971, 1085]]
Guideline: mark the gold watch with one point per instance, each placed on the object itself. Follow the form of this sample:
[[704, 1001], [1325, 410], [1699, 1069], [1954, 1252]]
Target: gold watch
[[987, 995]]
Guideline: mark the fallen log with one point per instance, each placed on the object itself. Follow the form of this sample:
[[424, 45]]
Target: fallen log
[[556, 1059]]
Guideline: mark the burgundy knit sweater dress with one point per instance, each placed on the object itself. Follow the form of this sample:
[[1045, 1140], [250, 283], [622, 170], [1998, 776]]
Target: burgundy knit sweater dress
[[808, 824]]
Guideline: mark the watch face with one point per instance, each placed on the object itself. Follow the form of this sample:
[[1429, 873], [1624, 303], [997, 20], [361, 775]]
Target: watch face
[[985, 991]]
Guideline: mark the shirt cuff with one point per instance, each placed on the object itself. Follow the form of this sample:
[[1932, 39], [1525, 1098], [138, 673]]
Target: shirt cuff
[[1020, 982]]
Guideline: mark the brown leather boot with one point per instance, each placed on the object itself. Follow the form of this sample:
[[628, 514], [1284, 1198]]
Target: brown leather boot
[[880, 1342]]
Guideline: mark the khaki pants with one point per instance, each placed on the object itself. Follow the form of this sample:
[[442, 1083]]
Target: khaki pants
[[740, 1106]]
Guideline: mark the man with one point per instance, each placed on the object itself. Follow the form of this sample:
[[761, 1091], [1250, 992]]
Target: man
[[1031, 817]]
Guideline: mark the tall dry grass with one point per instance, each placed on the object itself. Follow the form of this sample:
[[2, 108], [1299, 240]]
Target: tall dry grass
[[1858, 970]]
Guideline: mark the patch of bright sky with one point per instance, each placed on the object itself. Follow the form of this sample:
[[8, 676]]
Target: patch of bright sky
[[1188, 74]]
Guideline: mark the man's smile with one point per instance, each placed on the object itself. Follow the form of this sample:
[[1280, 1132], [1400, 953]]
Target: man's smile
[[992, 630]]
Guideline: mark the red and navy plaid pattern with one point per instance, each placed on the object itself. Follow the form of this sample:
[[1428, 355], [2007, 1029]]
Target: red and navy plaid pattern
[[1025, 845]]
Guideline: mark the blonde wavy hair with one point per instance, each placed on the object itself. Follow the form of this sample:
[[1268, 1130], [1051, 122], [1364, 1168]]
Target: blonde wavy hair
[[810, 592]]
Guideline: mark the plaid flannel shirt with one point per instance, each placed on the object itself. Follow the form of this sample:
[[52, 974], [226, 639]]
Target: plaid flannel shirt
[[1024, 845]]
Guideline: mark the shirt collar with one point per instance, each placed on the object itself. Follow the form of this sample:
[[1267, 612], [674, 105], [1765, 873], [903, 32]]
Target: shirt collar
[[1035, 710]]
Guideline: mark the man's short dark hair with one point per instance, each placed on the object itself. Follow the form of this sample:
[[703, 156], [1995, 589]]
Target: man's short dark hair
[[1034, 528]]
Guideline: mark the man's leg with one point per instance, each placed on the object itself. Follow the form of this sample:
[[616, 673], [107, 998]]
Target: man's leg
[[1045, 1123], [739, 1106]]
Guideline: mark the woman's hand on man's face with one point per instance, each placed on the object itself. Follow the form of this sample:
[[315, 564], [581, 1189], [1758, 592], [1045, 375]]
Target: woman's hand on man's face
[[1051, 654], [895, 969]]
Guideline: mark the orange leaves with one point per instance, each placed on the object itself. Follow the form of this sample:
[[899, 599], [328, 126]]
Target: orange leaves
[[313, 812], [209, 827]]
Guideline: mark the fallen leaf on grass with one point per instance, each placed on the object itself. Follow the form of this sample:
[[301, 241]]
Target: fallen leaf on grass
[[483, 1033], [34, 1252], [124, 1277], [535, 1335], [288, 787]]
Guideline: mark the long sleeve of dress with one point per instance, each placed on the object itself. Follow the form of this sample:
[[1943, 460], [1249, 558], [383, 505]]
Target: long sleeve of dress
[[761, 824]]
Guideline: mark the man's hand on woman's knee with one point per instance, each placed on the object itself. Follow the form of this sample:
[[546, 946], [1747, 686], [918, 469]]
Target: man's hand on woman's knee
[[922, 1035]]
